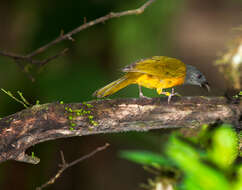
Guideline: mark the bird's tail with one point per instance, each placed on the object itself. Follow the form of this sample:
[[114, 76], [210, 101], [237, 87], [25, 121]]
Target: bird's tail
[[112, 87]]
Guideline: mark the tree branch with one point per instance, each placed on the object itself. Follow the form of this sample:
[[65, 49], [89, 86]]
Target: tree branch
[[64, 165], [69, 36], [50, 121]]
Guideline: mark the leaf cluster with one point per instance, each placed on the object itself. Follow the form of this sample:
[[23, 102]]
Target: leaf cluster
[[209, 161]]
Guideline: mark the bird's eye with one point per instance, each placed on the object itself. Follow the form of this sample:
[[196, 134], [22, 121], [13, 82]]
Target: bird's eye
[[199, 76]]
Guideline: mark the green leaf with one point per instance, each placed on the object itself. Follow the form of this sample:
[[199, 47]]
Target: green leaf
[[189, 184], [237, 185], [146, 158], [200, 175], [224, 148]]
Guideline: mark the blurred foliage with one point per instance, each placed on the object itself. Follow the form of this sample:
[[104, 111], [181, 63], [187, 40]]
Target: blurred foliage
[[230, 62], [238, 95], [208, 161]]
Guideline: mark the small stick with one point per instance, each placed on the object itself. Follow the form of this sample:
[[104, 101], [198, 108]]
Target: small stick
[[64, 165]]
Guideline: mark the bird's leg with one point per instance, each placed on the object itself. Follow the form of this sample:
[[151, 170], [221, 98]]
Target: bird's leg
[[167, 93], [173, 93], [141, 95]]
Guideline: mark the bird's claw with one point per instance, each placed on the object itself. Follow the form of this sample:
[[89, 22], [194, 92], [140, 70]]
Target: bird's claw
[[145, 97], [172, 94]]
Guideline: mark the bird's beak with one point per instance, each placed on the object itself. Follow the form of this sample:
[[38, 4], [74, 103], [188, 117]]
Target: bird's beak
[[206, 85]]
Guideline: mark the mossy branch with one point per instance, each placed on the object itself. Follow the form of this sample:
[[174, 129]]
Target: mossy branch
[[58, 120]]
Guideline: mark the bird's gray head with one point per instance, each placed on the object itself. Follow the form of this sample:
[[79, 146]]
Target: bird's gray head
[[195, 77]]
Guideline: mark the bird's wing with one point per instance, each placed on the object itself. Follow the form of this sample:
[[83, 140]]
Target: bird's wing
[[161, 66]]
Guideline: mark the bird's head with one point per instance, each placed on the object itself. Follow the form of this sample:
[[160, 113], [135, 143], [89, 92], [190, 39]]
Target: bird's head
[[195, 77]]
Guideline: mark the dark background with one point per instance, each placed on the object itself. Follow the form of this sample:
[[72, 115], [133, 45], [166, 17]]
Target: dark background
[[194, 31]]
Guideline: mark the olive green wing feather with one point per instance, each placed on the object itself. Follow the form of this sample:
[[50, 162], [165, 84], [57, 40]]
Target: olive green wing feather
[[161, 66]]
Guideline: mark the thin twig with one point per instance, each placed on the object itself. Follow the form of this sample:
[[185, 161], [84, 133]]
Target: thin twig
[[13, 55], [23, 101], [89, 24], [64, 165], [21, 65], [68, 36], [53, 57], [23, 98]]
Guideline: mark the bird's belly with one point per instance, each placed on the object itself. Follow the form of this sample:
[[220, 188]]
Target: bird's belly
[[150, 81]]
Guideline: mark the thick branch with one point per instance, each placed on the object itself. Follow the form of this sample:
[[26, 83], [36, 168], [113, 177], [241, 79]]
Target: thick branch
[[68, 36], [51, 121]]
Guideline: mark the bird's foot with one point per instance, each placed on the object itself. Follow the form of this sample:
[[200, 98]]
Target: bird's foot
[[145, 97], [172, 94]]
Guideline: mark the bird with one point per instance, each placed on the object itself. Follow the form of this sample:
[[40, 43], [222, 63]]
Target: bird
[[157, 72]]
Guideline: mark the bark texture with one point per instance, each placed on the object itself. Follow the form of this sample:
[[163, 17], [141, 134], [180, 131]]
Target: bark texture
[[54, 120]]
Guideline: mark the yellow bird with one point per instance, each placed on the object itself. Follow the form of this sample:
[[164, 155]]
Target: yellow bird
[[158, 72]]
